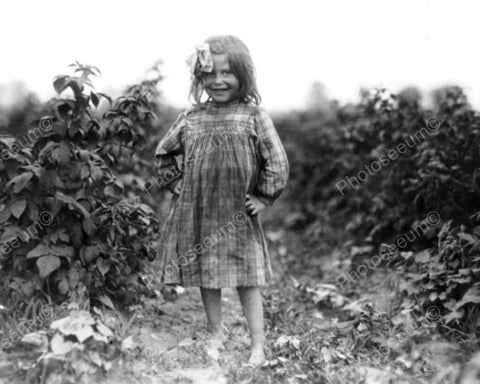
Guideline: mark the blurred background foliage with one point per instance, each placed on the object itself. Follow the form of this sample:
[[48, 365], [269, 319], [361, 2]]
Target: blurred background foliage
[[327, 143]]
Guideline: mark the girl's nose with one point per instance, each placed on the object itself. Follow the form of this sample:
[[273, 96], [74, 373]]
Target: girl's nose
[[218, 78]]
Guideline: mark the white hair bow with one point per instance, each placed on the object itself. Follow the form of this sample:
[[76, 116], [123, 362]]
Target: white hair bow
[[201, 57]]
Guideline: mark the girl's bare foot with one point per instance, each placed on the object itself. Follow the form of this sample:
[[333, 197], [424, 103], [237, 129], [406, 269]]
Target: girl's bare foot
[[257, 357], [214, 344]]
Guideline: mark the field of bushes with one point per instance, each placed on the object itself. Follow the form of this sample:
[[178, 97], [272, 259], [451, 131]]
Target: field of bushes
[[384, 187]]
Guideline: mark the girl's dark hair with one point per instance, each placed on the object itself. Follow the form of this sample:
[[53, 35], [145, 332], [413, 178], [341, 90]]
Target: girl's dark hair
[[240, 63]]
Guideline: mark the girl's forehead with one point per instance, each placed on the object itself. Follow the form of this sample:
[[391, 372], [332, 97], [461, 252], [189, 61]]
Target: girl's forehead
[[220, 59]]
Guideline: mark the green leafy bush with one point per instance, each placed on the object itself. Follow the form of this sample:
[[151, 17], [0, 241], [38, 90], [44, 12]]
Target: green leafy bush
[[67, 227], [374, 170], [443, 281], [342, 163]]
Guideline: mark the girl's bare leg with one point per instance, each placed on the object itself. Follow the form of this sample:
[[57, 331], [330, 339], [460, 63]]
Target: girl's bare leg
[[212, 301], [251, 300]]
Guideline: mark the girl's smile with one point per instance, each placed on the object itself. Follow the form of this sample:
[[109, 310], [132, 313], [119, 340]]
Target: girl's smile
[[221, 84]]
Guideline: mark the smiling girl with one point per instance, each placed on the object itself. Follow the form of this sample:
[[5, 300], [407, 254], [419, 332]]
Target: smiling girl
[[212, 237]]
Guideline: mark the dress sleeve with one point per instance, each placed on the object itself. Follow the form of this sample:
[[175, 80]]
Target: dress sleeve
[[166, 165], [274, 165]]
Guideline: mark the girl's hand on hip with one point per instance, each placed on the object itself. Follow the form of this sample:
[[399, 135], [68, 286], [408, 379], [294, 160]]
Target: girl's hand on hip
[[253, 205], [175, 186]]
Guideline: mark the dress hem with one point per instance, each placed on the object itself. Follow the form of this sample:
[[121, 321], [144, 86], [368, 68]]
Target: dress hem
[[188, 285]]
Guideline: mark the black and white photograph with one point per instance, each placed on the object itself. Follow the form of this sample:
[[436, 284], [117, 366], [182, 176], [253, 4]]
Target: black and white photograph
[[240, 192]]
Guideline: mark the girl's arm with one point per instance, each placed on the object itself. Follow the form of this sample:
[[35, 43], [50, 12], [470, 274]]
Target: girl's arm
[[274, 166], [166, 165], [168, 171]]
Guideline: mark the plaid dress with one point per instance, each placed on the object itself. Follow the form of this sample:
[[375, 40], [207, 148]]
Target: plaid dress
[[228, 151]]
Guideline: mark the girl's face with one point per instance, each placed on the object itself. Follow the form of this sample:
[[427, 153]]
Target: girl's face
[[221, 84]]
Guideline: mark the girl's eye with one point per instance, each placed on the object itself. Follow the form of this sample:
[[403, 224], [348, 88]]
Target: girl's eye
[[212, 75]]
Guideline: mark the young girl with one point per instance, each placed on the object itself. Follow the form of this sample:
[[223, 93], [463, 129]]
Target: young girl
[[234, 165]]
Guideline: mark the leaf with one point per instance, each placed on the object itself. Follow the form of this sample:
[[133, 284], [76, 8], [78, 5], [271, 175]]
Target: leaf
[[20, 181], [50, 178], [61, 154], [327, 356], [73, 277], [119, 184], [105, 300], [47, 264], [467, 237], [8, 141], [406, 255], [64, 237], [96, 172], [10, 233], [103, 329], [295, 342], [422, 257], [60, 346], [360, 250], [59, 83], [40, 250], [5, 213], [129, 343], [83, 154], [355, 307], [476, 231], [89, 227], [106, 97], [362, 326], [416, 276], [471, 296], [84, 172], [63, 250], [78, 324], [103, 265], [18, 207], [95, 99], [455, 315], [32, 211], [95, 356], [63, 286], [89, 253], [37, 339], [284, 340]]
